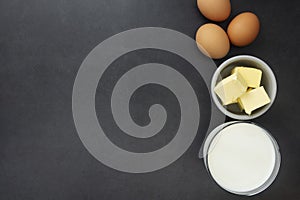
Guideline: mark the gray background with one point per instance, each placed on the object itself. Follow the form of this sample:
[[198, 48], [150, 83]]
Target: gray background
[[42, 44]]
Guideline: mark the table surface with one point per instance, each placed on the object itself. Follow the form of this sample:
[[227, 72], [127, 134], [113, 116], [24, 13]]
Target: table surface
[[43, 43]]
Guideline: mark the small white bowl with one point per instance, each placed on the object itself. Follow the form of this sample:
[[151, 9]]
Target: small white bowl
[[268, 81], [205, 152]]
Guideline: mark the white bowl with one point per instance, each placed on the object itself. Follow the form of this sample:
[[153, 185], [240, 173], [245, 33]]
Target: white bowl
[[208, 141], [268, 81]]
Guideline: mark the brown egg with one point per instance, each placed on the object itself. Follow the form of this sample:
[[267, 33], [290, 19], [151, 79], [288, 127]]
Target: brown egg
[[243, 29], [215, 10], [213, 41]]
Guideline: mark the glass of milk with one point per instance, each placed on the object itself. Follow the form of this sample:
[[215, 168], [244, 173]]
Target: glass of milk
[[242, 157]]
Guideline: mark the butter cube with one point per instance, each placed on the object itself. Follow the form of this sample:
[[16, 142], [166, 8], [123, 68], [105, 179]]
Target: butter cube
[[252, 76], [238, 101], [231, 88], [253, 99]]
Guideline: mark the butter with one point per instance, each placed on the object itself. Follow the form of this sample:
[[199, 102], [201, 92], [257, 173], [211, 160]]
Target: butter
[[252, 76], [231, 88], [238, 101], [253, 99]]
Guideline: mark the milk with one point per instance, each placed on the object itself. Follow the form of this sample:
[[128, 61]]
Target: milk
[[241, 157]]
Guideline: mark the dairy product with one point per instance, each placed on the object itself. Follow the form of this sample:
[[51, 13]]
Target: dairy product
[[241, 157], [253, 99], [252, 76], [230, 88]]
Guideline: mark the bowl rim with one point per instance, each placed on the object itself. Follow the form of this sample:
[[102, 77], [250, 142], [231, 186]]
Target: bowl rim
[[226, 63]]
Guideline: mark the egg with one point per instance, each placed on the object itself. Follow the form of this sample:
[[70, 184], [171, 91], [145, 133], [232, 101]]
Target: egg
[[212, 40], [215, 10], [243, 29]]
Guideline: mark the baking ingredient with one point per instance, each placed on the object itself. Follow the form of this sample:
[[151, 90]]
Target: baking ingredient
[[215, 10], [212, 40], [243, 29], [253, 99], [230, 88], [241, 157], [251, 75], [243, 87]]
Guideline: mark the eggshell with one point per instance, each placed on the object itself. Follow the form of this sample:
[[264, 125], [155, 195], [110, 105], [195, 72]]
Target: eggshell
[[212, 40], [215, 10], [243, 29]]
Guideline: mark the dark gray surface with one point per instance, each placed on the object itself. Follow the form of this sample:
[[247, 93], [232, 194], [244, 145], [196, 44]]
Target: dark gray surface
[[42, 44]]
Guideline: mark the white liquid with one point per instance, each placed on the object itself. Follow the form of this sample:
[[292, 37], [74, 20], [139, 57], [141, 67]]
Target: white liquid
[[241, 157]]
